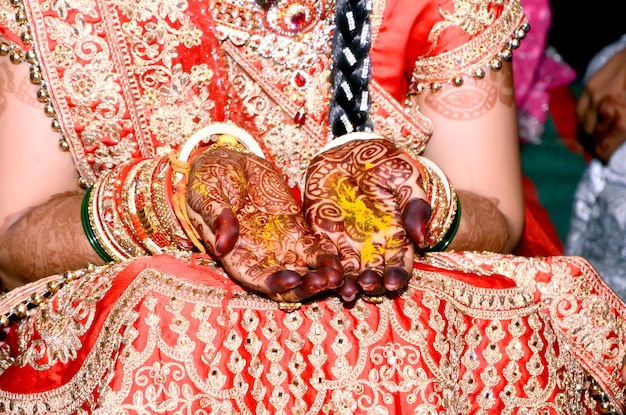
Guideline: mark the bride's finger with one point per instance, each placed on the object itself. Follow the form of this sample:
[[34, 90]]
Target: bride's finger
[[225, 227], [395, 278], [371, 282], [415, 220], [216, 190], [282, 281], [350, 288], [283, 287]]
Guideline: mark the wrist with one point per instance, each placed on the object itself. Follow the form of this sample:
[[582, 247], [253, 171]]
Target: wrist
[[131, 211]]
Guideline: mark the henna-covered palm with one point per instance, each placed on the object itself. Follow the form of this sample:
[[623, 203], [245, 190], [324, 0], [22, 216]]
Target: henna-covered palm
[[249, 220], [366, 197]]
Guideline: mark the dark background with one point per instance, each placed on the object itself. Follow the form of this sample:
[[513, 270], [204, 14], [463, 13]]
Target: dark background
[[580, 29]]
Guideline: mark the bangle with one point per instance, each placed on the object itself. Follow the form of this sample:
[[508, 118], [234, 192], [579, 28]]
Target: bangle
[[449, 236], [241, 135], [110, 223], [443, 222], [128, 212], [91, 237]]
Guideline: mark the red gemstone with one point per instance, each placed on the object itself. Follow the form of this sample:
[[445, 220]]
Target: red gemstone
[[300, 117], [300, 80], [297, 19]]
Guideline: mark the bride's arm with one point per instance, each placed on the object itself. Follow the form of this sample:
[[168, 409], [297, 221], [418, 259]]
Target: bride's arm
[[475, 142], [40, 227]]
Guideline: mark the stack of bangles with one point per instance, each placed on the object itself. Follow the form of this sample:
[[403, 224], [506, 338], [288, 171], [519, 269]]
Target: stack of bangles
[[139, 208], [445, 215]]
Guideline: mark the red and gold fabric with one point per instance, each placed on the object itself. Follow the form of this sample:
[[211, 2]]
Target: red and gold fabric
[[473, 333], [167, 335]]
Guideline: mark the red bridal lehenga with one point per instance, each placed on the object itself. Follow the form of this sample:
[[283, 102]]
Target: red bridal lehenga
[[473, 333]]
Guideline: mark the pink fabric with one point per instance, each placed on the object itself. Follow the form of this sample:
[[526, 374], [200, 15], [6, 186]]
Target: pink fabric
[[536, 71]]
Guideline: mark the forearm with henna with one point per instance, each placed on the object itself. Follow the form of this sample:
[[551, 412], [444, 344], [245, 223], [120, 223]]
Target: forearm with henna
[[483, 227], [47, 240]]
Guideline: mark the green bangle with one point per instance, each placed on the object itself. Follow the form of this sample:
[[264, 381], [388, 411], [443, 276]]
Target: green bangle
[[454, 227], [91, 237]]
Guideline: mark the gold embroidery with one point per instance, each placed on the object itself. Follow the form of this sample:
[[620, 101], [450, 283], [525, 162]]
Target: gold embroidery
[[483, 51], [170, 103], [471, 16], [587, 318], [183, 346]]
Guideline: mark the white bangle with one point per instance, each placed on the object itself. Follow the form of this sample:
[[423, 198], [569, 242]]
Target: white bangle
[[359, 135], [220, 128]]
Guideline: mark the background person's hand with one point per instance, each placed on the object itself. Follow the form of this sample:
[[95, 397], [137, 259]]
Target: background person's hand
[[366, 197], [601, 109], [249, 220]]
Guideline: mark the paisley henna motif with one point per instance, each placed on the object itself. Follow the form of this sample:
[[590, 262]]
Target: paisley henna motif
[[250, 221]]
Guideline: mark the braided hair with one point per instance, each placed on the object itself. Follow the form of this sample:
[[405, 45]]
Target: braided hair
[[352, 69]]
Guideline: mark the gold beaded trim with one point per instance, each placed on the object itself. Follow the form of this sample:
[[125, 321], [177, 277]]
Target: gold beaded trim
[[34, 299], [432, 73]]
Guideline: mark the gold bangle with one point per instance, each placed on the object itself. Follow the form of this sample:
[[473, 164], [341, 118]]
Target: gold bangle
[[443, 201], [204, 135], [161, 199]]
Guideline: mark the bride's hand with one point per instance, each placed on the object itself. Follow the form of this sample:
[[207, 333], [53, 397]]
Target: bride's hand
[[249, 220], [366, 197]]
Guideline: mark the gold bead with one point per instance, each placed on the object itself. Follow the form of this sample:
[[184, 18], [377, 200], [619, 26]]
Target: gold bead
[[479, 73], [606, 408], [4, 321], [595, 390], [496, 64], [20, 17], [37, 298], [53, 286], [56, 125], [21, 310], [49, 109], [26, 38], [436, 86], [42, 94], [69, 276], [36, 78], [5, 48], [82, 183], [506, 54], [525, 27], [30, 56], [514, 43], [16, 57], [457, 81], [63, 145]]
